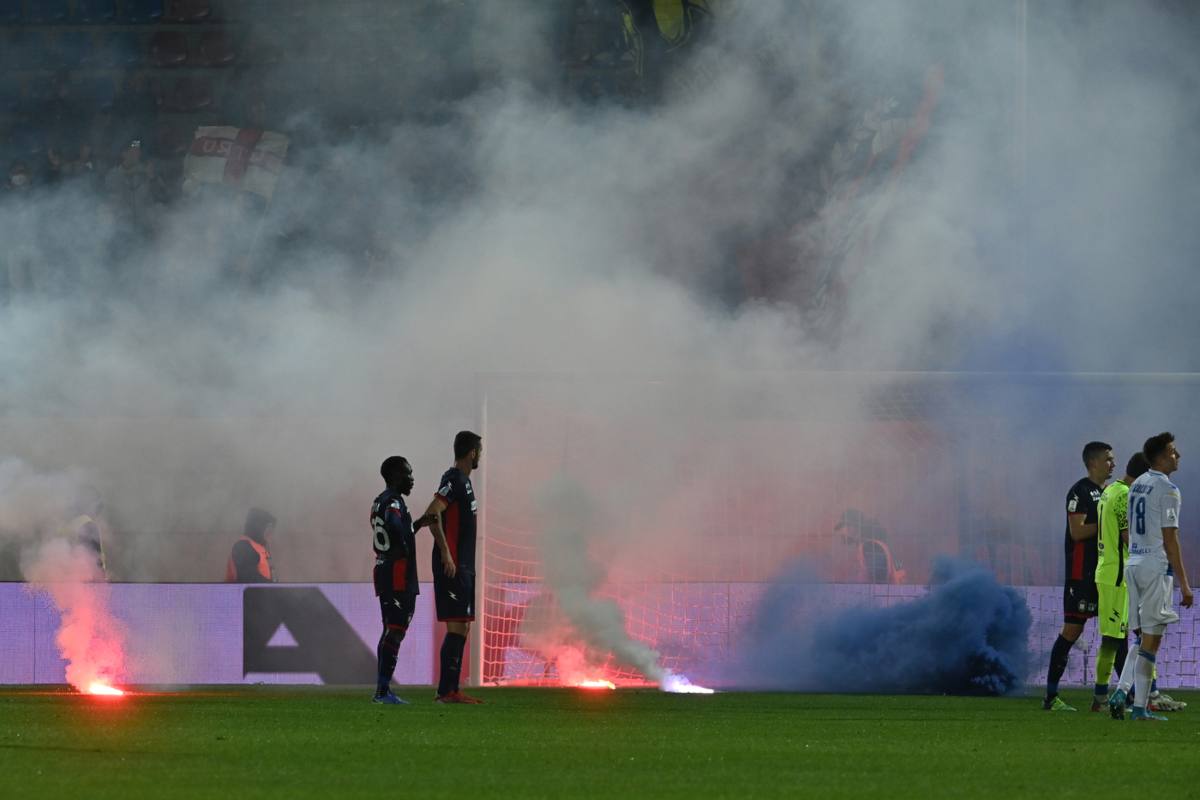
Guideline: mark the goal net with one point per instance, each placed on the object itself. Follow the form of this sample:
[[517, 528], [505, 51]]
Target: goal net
[[632, 524]]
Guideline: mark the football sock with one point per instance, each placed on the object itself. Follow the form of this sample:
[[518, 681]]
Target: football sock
[[1105, 656], [388, 652], [1058, 665], [1127, 671], [451, 660], [1143, 677]]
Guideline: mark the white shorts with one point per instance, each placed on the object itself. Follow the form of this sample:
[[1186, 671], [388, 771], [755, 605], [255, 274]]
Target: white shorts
[[1150, 590]]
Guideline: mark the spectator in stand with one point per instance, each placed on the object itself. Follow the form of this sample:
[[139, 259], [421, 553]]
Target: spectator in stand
[[130, 187], [52, 171], [866, 557], [250, 559], [20, 179], [81, 165], [19, 270]]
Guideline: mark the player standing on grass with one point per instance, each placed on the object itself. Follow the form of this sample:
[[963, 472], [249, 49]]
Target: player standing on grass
[[395, 577], [452, 521], [1155, 561], [1079, 591], [1112, 546]]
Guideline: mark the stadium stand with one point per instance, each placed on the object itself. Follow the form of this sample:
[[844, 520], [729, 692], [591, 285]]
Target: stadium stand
[[44, 12], [187, 11], [169, 49], [95, 10], [216, 49], [11, 12], [141, 11]]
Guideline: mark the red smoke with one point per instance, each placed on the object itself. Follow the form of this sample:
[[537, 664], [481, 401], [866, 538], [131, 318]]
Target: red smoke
[[89, 638]]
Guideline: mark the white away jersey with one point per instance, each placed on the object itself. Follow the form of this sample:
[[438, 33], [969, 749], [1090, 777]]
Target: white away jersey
[[1153, 505]]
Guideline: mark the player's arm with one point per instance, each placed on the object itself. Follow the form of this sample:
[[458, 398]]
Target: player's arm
[[1079, 529], [434, 516], [393, 520], [1170, 538], [1122, 514]]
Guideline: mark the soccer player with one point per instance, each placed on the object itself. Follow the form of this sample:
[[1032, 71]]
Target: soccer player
[[1112, 546], [395, 576], [1155, 559], [451, 517], [1079, 591]]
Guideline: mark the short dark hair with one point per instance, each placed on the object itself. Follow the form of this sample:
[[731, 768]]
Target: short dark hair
[[393, 468], [1155, 446], [1138, 465], [465, 442], [1093, 450], [257, 522]]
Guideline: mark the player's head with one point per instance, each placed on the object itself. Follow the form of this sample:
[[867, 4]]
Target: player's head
[[1162, 453], [1098, 459], [259, 523], [468, 445], [397, 473], [1137, 465]]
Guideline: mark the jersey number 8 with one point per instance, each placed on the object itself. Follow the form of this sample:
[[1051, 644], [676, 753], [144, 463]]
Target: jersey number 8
[[1139, 516], [383, 542]]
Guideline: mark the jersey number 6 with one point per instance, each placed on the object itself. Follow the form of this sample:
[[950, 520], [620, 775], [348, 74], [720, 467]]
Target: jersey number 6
[[383, 542]]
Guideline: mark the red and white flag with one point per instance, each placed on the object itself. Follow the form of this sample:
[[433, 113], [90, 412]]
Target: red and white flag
[[241, 158]]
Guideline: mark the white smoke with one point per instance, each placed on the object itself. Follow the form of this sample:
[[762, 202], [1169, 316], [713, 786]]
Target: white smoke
[[587, 628], [505, 227]]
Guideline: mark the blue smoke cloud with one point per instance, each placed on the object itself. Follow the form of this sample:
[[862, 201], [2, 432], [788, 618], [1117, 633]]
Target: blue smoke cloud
[[968, 635]]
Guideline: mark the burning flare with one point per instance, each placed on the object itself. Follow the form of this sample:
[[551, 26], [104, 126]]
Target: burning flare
[[96, 687], [679, 684], [89, 638], [598, 683]]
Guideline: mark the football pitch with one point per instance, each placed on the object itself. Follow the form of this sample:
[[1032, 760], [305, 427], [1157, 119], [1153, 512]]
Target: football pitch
[[328, 743]]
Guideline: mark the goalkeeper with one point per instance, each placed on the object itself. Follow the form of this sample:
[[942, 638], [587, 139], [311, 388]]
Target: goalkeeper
[[1113, 596]]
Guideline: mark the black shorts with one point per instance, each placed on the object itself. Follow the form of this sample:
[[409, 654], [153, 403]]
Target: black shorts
[[1080, 601], [454, 597], [397, 608]]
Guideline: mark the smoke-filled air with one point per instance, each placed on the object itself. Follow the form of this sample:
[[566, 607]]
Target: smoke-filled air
[[730, 289]]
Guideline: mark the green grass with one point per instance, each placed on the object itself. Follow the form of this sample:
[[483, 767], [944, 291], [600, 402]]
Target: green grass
[[331, 743]]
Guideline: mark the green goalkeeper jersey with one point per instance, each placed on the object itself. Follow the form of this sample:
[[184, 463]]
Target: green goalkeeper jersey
[[1113, 517]]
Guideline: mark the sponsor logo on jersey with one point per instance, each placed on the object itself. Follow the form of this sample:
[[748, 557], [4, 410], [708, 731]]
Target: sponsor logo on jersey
[[1072, 504]]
